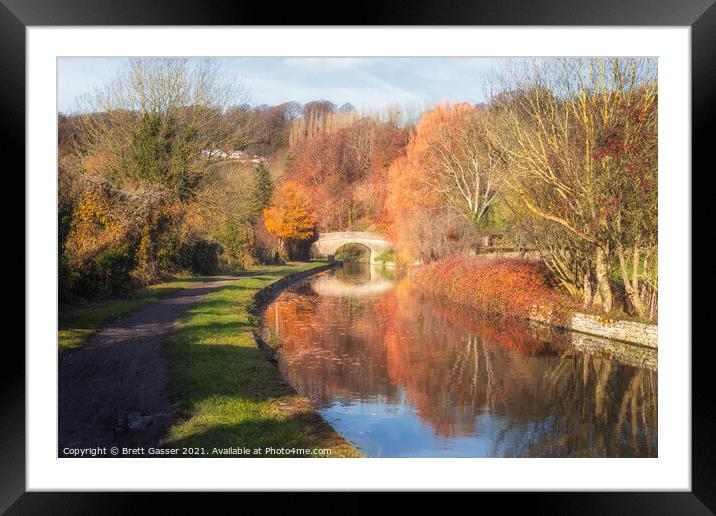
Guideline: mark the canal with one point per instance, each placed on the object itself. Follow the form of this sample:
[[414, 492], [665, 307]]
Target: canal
[[400, 373]]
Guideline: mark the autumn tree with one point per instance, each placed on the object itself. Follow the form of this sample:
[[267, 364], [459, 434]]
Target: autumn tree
[[452, 157], [290, 218], [137, 156], [346, 108], [318, 122], [439, 195], [318, 107], [158, 122], [344, 171], [229, 208], [270, 126], [578, 137]]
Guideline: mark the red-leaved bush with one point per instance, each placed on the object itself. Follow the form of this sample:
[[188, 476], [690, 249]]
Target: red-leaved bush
[[505, 286]]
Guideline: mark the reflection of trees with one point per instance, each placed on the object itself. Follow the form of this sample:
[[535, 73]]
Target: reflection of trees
[[330, 346], [595, 407], [542, 396], [453, 374]]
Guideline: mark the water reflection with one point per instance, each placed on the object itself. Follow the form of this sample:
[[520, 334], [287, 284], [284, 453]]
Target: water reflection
[[399, 373]]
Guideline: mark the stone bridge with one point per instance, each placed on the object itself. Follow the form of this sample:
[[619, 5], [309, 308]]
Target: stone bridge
[[328, 243]]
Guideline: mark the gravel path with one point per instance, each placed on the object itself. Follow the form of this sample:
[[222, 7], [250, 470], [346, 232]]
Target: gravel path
[[114, 390]]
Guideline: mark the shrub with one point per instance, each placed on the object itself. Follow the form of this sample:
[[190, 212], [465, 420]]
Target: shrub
[[106, 275], [386, 256], [64, 280], [504, 286], [201, 256]]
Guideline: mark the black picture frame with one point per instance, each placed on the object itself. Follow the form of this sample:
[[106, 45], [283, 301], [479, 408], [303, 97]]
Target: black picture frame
[[17, 15]]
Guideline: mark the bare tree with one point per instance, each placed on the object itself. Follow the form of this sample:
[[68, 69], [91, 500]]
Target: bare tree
[[455, 160], [578, 137], [173, 109]]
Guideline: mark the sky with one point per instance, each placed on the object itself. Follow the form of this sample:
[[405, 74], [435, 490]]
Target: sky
[[367, 83]]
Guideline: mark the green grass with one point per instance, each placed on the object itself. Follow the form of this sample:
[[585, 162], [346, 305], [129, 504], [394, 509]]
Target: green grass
[[77, 323], [227, 394], [386, 256]]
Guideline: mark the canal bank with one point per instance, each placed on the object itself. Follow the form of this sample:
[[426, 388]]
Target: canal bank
[[520, 287], [226, 394]]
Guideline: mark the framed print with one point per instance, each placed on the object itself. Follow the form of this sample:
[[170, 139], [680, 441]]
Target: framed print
[[442, 249]]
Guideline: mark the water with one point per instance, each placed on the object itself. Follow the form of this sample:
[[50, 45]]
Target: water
[[401, 374]]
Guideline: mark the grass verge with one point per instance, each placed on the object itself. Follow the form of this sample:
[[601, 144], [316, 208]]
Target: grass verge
[[227, 394], [76, 324]]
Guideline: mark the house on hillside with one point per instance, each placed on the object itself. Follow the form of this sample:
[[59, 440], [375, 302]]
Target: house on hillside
[[214, 153], [238, 155]]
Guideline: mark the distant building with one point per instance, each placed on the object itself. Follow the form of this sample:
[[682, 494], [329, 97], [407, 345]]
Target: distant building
[[219, 153], [214, 153], [237, 155]]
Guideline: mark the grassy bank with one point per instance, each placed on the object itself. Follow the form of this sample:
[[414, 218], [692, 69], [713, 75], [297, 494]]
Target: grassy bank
[[77, 323], [226, 392]]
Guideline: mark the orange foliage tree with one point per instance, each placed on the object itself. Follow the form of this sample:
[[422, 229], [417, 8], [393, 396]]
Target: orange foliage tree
[[439, 194], [291, 217], [344, 171], [454, 159]]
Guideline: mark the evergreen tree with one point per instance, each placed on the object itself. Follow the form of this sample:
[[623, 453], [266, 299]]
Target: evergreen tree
[[262, 190], [150, 150], [162, 154], [238, 238]]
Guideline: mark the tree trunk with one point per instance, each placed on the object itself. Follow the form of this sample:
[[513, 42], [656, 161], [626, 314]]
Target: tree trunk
[[604, 290], [629, 285], [282, 249], [635, 269], [587, 290]]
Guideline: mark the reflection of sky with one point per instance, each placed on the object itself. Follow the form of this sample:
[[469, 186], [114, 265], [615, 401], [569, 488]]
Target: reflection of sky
[[394, 430]]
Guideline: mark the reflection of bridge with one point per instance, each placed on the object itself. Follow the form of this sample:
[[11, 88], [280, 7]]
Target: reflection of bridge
[[328, 243], [333, 286]]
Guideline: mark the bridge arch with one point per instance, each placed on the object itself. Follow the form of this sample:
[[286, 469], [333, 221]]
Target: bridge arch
[[328, 243], [354, 249]]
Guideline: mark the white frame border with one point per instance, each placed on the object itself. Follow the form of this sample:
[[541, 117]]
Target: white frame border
[[670, 471]]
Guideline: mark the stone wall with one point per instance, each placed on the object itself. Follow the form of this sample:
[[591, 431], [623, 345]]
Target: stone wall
[[497, 252], [268, 293], [637, 356], [622, 352], [602, 326]]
